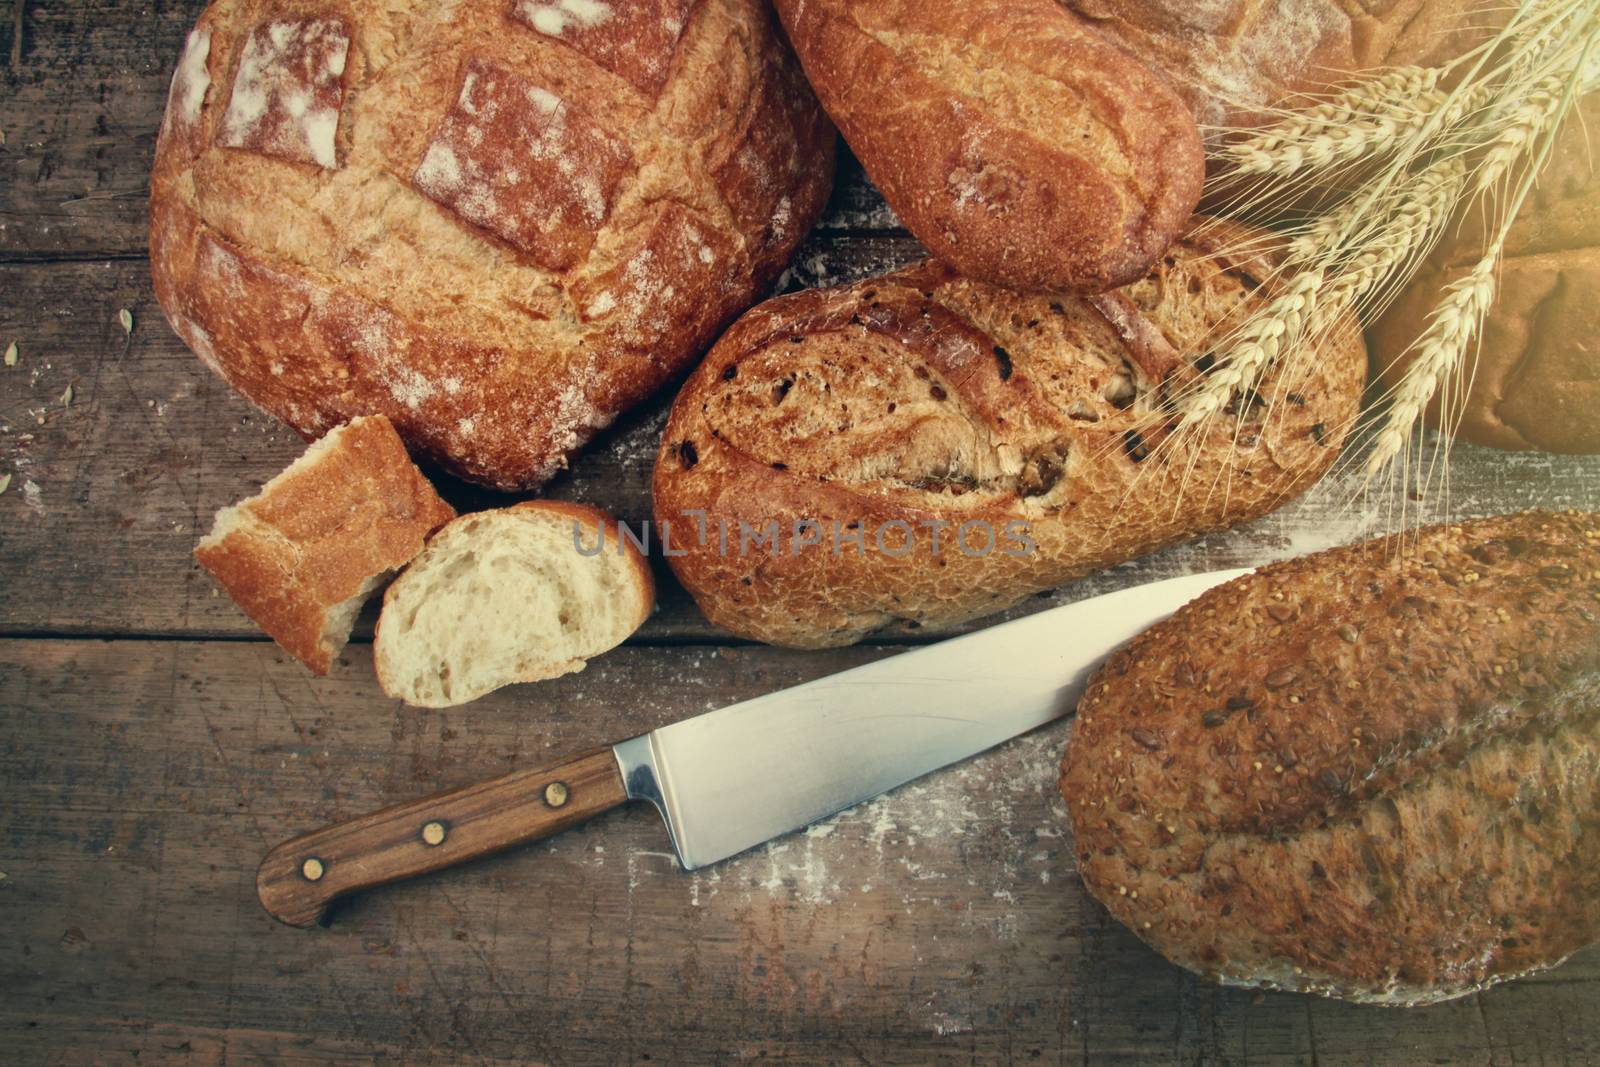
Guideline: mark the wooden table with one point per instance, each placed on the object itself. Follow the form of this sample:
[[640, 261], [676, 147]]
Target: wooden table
[[153, 745]]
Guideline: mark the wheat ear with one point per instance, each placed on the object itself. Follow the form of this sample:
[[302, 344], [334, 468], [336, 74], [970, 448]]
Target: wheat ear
[[1255, 347], [1454, 324], [1360, 122]]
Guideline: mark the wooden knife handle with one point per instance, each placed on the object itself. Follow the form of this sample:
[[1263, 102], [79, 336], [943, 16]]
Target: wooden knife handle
[[299, 879]]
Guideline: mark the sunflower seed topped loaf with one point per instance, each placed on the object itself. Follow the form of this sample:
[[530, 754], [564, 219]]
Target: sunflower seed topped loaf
[[497, 222], [1371, 773], [907, 439], [1020, 145]]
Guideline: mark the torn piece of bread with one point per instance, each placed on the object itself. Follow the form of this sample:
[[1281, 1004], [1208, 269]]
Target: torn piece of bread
[[508, 596], [303, 555]]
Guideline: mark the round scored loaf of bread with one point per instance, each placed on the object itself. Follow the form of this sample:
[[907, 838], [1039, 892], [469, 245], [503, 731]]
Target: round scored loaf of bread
[[849, 459], [497, 222], [1371, 773]]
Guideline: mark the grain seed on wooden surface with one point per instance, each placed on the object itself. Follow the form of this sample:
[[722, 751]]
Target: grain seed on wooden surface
[[11, 354], [125, 317], [66, 397], [5, 481]]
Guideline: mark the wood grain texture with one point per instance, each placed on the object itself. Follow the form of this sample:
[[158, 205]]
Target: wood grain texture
[[943, 923], [142, 781], [301, 878], [127, 476]]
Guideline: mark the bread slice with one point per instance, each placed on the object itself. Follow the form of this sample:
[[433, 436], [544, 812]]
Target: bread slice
[[506, 596], [303, 555]]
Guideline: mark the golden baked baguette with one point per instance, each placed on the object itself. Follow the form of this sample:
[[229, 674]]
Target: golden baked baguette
[[1015, 141], [1371, 773], [302, 556], [887, 407], [497, 222]]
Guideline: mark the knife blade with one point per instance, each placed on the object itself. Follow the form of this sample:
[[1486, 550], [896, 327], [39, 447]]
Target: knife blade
[[734, 778]]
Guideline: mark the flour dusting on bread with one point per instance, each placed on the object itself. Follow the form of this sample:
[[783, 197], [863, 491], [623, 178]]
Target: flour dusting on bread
[[191, 80], [553, 19], [288, 91], [478, 198]]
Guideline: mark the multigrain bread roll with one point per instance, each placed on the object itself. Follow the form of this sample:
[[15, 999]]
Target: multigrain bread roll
[[303, 555], [1016, 142], [850, 423], [1372, 773], [497, 222], [1534, 381], [517, 594]]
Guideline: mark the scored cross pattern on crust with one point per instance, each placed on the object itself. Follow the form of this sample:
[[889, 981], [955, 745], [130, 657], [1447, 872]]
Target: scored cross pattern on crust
[[633, 39], [524, 164], [288, 91]]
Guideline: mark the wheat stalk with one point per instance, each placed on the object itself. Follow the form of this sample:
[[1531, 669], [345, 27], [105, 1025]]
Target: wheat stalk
[[1498, 111], [1362, 121], [1451, 329], [1454, 324]]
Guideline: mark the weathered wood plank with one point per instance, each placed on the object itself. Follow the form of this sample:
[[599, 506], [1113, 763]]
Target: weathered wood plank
[[110, 492], [944, 923], [80, 112]]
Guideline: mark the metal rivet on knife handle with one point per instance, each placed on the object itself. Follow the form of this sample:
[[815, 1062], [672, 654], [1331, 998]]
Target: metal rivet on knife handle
[[555, 794], [434, 833], [312, 869]]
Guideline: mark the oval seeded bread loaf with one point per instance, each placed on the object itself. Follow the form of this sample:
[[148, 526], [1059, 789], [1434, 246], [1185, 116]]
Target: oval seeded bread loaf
[[887, 408], [497, 222], [1371, 773], [1016, 142]]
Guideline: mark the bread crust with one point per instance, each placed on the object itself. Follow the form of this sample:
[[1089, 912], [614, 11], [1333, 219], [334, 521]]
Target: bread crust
[[319, 535], [1371, 773], [1534, 380], [1235, 60], [498, 236], [924, 397], [590, 518], [1017, 143]]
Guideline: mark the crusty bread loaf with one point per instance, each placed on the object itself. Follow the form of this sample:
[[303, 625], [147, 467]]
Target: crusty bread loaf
[[509, 596], [498, 222], [924, 397], [1017, 143], [1234, 59], [1534, 381], [303, 555], [1371, 773]]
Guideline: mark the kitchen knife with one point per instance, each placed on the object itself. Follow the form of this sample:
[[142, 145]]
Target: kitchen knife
[[731, 779]]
